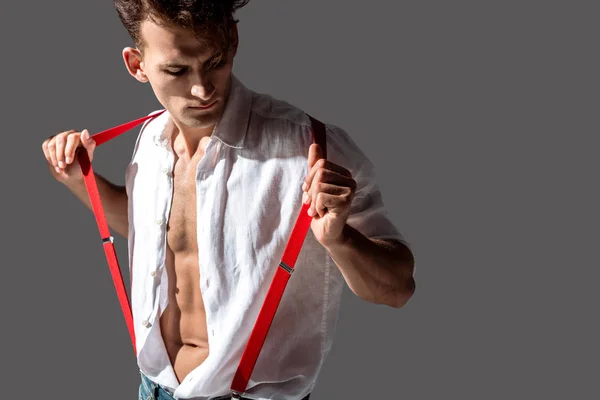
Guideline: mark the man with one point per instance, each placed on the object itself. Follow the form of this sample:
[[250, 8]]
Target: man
[[211, 196]]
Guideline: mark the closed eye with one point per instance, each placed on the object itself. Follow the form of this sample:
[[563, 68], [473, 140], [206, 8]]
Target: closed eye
[[175, 72]]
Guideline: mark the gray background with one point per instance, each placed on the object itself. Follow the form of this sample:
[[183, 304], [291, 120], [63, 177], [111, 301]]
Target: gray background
[[481, 119]]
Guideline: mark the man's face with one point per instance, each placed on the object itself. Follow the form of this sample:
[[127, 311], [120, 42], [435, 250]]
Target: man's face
[[184, 76]]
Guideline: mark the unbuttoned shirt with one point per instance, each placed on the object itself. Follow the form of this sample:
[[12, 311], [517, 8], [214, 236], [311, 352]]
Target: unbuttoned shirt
[[248, 197]]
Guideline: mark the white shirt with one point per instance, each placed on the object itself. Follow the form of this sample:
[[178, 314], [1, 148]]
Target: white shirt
[[248, 198]]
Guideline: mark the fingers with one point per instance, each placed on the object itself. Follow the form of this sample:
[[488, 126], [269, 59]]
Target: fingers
[[327, 186], [49, 147], [324, 178], [61, 142], [88, 143], [315, 153], [47, 151], [60, 149], [331, 197], [330, 202], [323, 202], [72, 143], [322, 166]]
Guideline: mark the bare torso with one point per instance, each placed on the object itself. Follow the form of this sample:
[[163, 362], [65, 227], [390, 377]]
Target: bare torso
[[183, 322]]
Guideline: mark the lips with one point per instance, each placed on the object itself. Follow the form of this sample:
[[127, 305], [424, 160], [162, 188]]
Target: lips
[[204, 107]]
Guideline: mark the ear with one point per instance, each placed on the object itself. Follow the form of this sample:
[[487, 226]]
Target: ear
[[134, 63]]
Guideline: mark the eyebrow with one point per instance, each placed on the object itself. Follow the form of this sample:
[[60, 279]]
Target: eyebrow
[[172, 65], [208, 61]]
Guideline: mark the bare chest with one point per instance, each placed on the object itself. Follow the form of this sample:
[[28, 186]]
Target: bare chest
[[181, 230]]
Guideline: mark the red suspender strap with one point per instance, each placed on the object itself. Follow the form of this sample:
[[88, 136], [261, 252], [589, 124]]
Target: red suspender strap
[[282, 275], [107, 239], [280, 280]]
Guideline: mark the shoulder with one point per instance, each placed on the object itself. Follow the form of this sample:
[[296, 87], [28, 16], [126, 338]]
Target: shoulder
[[342, 149], [270, 111], [280, 118], [151, 129], [147, 140], [154, 127]]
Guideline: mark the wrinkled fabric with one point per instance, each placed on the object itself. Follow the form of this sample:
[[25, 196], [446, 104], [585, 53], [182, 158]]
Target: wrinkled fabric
[[248, 198]]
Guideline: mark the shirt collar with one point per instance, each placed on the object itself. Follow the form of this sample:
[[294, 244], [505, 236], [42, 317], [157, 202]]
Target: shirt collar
[[232, 127]]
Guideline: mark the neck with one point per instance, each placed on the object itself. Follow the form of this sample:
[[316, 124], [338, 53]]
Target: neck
[[188, 141]]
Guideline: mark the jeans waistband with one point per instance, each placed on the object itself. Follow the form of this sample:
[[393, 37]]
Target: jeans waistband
[[166, 393]]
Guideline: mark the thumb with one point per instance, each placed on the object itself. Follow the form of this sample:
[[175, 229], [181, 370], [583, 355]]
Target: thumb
[[88, 143], [314, 154]]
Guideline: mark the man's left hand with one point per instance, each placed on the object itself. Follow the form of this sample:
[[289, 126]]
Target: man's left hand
[[329, 189]]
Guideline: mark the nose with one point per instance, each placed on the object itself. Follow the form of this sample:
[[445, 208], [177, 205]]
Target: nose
[[203, 89]]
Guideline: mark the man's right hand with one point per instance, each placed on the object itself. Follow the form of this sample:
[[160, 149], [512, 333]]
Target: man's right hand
[[60, 151]]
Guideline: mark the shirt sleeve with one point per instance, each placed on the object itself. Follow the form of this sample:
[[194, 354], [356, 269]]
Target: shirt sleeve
[[368, 213]]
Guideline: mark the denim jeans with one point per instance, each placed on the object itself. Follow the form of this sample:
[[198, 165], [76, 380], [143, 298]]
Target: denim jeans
[[152, 391]]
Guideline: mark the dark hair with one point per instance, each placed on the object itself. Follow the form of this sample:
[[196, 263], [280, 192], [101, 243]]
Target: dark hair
[[213, 19]]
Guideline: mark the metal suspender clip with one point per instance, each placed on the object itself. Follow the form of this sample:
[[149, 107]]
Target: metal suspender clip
[[286, 267]]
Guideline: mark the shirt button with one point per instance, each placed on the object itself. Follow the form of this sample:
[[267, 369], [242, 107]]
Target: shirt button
[[146, 323], [153, 273], [159, 222], [165, 170]]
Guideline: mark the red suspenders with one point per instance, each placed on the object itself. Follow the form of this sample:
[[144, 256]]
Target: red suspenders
[[282, 275], [107, 239], [280, 280]]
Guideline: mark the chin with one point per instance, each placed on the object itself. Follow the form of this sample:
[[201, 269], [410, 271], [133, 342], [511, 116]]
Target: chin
[[199, 120]]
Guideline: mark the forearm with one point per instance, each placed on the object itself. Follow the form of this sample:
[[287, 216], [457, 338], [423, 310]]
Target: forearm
[[376, 271], [114, 202]]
